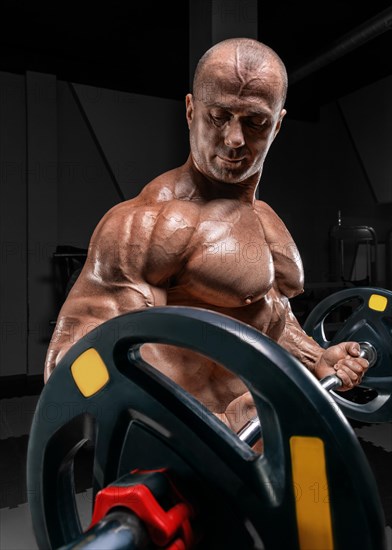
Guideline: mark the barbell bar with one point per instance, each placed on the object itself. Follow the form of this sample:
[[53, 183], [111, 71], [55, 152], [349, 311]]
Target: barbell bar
[[251, 432]]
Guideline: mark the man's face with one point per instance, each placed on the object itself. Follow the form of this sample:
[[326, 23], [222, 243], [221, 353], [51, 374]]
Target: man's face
[[233, 120]]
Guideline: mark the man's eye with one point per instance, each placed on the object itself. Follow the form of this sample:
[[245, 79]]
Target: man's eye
[[258, 124], [219, 120]]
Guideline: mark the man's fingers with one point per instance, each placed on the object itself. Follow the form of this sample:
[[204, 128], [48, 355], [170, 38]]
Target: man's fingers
[[351, 371], [349, 378], [354, 349], [240, 411], [346, 361], [358, 366], [347, 383]]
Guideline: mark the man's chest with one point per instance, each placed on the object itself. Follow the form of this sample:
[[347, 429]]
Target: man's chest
[[230, 263]]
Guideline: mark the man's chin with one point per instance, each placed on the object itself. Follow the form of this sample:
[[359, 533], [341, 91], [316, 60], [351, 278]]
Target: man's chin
[[230, 176], [223, 173]]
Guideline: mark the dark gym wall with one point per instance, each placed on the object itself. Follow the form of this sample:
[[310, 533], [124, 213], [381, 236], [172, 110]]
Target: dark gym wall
[[371, 133], [111, 144], [13, 225], [341, 162], [85, 186], [41, 206], [140, 136], [68, 153]]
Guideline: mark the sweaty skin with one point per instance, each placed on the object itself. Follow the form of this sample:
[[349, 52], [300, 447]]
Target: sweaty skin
[[197, 236]]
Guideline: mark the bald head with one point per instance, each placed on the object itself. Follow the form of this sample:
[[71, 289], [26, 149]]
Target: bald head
[[252, 62]]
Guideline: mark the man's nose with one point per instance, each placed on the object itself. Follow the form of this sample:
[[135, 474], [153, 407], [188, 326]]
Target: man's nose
[[234, 136]]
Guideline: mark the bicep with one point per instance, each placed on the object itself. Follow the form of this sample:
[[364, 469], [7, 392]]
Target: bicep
[[105, 297], [91, 303]]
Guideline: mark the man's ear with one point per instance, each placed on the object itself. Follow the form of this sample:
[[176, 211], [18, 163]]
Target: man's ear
[[189, 108], [283, 113]]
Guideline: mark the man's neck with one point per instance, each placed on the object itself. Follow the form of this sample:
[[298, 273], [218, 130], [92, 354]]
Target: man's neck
[[211, 189]]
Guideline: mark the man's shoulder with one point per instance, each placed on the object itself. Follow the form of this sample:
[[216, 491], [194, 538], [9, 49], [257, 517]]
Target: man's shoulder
[[155, 213], [264, 207], [268, 215], [275, 229]]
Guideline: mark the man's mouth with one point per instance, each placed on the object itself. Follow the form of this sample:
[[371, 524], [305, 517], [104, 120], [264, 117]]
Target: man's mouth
[[233, 161]]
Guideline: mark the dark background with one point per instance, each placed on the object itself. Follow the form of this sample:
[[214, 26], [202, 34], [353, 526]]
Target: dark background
[[92, 108], [143, 47]]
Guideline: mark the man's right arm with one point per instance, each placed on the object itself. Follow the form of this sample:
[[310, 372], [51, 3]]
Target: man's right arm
[[127, 268], [86, 308]]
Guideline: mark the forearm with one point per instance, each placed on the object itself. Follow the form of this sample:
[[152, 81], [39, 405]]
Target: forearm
[[295, 340], [341, 359]]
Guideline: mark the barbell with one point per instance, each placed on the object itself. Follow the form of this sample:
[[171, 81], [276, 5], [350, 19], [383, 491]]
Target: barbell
[[311, 488], [252, 431], [360, 314]]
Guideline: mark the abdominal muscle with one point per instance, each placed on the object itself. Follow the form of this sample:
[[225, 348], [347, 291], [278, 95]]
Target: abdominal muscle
[[212, 384]]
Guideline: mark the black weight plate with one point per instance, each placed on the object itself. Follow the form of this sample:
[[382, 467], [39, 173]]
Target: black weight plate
[[265, 493], [360, 314]]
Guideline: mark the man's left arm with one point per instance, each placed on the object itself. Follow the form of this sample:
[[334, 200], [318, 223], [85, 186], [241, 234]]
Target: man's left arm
[[341, 359]]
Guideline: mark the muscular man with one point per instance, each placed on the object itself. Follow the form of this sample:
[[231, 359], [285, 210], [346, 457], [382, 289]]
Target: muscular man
[[197, 236]]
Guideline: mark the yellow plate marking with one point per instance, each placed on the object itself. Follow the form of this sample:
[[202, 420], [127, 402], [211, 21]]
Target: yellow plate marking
[[89, 372], [311, 491], [377, 302]]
